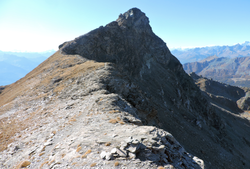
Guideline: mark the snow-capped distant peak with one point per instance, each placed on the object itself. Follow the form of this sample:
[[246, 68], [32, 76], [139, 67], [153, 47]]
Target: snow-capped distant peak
[[246, 43]]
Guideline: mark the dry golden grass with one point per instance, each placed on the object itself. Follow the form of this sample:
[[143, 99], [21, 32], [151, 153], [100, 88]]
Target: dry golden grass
[[43, 148], [23, 164], [160, 167], [8, 130], [117, 163], [31, 87], [74, 163], [31, 80], [93, 164], [78, 149], [72, 120], [51, 162], [113, 121], [117, 120], [114, 111], [85, 154], [41, 154], [46, 162], [121, 122], [107, 144]]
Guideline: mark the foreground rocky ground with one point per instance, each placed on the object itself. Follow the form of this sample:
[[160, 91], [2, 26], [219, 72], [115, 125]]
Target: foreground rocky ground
[[85, 126], [110, 99]]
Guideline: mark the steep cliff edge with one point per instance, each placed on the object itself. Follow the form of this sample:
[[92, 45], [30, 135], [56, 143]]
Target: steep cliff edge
[[109, 99]]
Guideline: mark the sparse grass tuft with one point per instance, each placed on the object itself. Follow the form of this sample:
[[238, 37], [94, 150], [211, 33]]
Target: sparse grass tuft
[[93, 164], [45, 162], [8, 130], [43, 148], [41, 154], [160, 167], [117, 163], [51, 162], [24, 164], [85, 154], [113, 121], [74, 163], [114, 111], [78, 149], [117, 120], [121, 122], [107, 144]]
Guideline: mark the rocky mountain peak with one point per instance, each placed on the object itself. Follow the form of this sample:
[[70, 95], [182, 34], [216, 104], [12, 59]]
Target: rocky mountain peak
[[136, 19], [128, 42]]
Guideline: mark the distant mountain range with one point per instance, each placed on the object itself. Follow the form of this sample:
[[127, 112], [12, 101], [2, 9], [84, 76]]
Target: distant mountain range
[[233, 71], [15, 65], [198, 54]]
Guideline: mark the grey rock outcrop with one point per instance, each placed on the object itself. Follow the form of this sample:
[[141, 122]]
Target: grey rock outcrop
[[244, 102]]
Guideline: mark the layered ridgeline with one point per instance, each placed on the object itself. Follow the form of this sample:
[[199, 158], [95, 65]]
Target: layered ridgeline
[[200, 53], [233, 71], [110, 99], [15, 65]]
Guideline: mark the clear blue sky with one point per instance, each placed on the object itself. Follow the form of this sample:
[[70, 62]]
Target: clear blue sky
[[39, 25]]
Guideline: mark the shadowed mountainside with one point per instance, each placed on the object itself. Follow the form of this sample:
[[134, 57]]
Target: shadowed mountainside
[[109, 98], [233, 71], [233, 99]]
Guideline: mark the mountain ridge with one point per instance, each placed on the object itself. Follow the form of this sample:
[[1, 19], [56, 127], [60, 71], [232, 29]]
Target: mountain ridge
[[111, 98], [233, 71], [16, 65], [199, 53]]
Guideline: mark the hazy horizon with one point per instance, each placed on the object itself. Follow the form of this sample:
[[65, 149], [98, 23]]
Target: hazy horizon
[[43, 25]]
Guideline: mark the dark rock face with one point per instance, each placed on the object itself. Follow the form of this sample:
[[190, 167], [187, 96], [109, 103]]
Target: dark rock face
[[222, 94], [152, 80], [128, 42], [144, 58]]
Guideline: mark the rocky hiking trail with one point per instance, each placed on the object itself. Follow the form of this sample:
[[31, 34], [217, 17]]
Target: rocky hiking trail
[[117, 98], [93, 128]]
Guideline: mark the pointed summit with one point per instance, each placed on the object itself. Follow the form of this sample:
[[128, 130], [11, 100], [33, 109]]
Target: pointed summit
[[128, 42], [136, 19]]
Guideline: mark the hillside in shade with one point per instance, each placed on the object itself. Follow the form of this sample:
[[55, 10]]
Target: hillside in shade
[[233, 71], [117, 98]]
